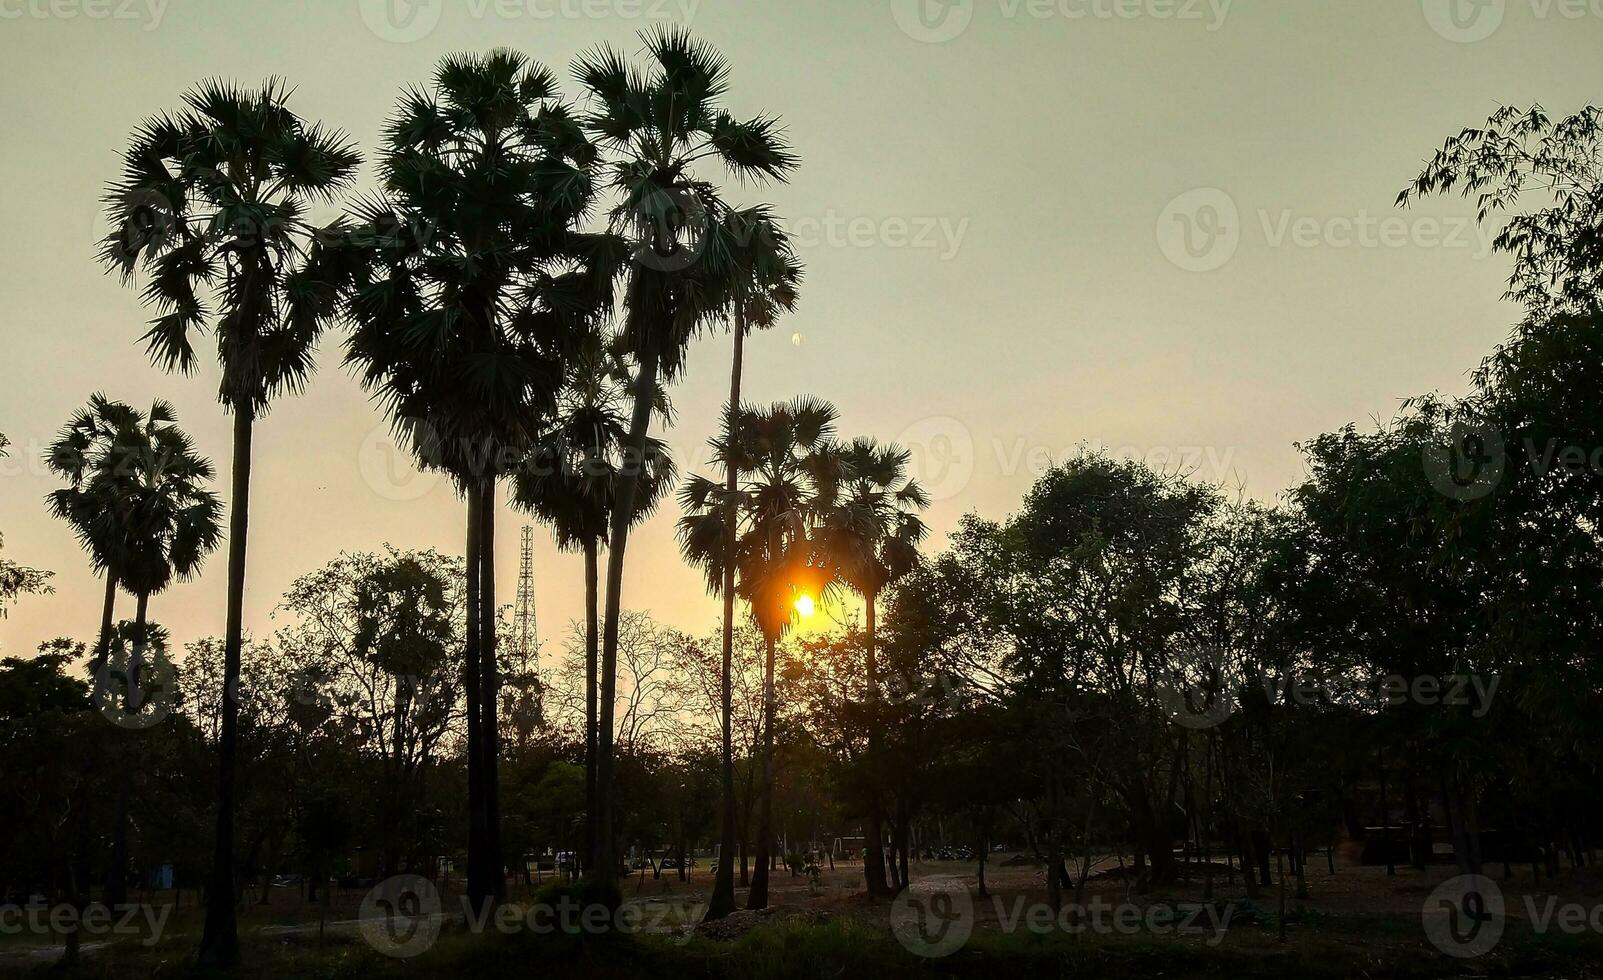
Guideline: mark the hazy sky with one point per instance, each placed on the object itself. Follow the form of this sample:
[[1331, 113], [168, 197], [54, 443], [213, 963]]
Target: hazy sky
[[1161, 226]]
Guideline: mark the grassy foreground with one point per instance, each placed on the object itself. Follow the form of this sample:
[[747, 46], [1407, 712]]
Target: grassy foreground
[[1350, 948]]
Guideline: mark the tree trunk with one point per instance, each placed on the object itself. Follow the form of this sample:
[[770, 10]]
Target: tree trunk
[[1054, 847], [219, 943], [904, 820], [478, 889], [1385, 817], [757, 898], [592, 642], [623, 513], [103, 644], [490, 677], [117, 873], [874, 858], [1206, 832], [1280, 866], [722, 901]]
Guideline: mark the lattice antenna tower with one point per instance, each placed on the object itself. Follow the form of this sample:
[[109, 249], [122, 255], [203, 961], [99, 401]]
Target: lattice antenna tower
[[527, 631]]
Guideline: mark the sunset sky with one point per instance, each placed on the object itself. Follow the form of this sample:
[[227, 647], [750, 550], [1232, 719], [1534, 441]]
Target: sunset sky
[[1161, 226]]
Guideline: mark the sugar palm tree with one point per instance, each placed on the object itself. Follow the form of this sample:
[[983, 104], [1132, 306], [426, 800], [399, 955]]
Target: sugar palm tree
[[468, 289], [783, 460], [656, 125], [213, 206], [81, 456], [569, 481], [873, 531], [137, 501], [763, 286]]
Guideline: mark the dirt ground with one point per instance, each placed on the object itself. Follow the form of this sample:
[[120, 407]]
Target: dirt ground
[[1352, 891]]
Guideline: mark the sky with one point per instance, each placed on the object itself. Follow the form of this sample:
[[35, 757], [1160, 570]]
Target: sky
[[1163, 227]]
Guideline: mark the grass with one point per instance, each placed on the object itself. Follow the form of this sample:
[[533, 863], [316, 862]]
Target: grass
[[1334, 947]]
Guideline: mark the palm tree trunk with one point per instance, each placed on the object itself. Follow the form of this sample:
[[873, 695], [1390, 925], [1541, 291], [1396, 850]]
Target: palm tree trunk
[[490, 676], [757, 898], [117, 873], [622, 517], [219, 943], [472, 686], [723, 890], [592, 641], [103, 644], [874, 859]]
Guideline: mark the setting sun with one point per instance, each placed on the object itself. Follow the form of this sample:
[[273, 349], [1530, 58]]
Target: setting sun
[[804, 605]]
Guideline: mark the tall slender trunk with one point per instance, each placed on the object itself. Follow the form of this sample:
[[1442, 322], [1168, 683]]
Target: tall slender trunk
[[1054, 846], [103, 644], [874, 859], [1206, 833], [219, 943], [1385, 816], [472, 686], [902, 838], [490, 677], [757, 898], [623, 509], [117, 873], [592, 642], [723, 890]]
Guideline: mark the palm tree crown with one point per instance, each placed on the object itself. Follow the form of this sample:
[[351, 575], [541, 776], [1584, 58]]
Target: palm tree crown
[[785, 460], [213, 204], [469, 284], [656, 125], [873, 527], [570, 478], [136, 498]]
